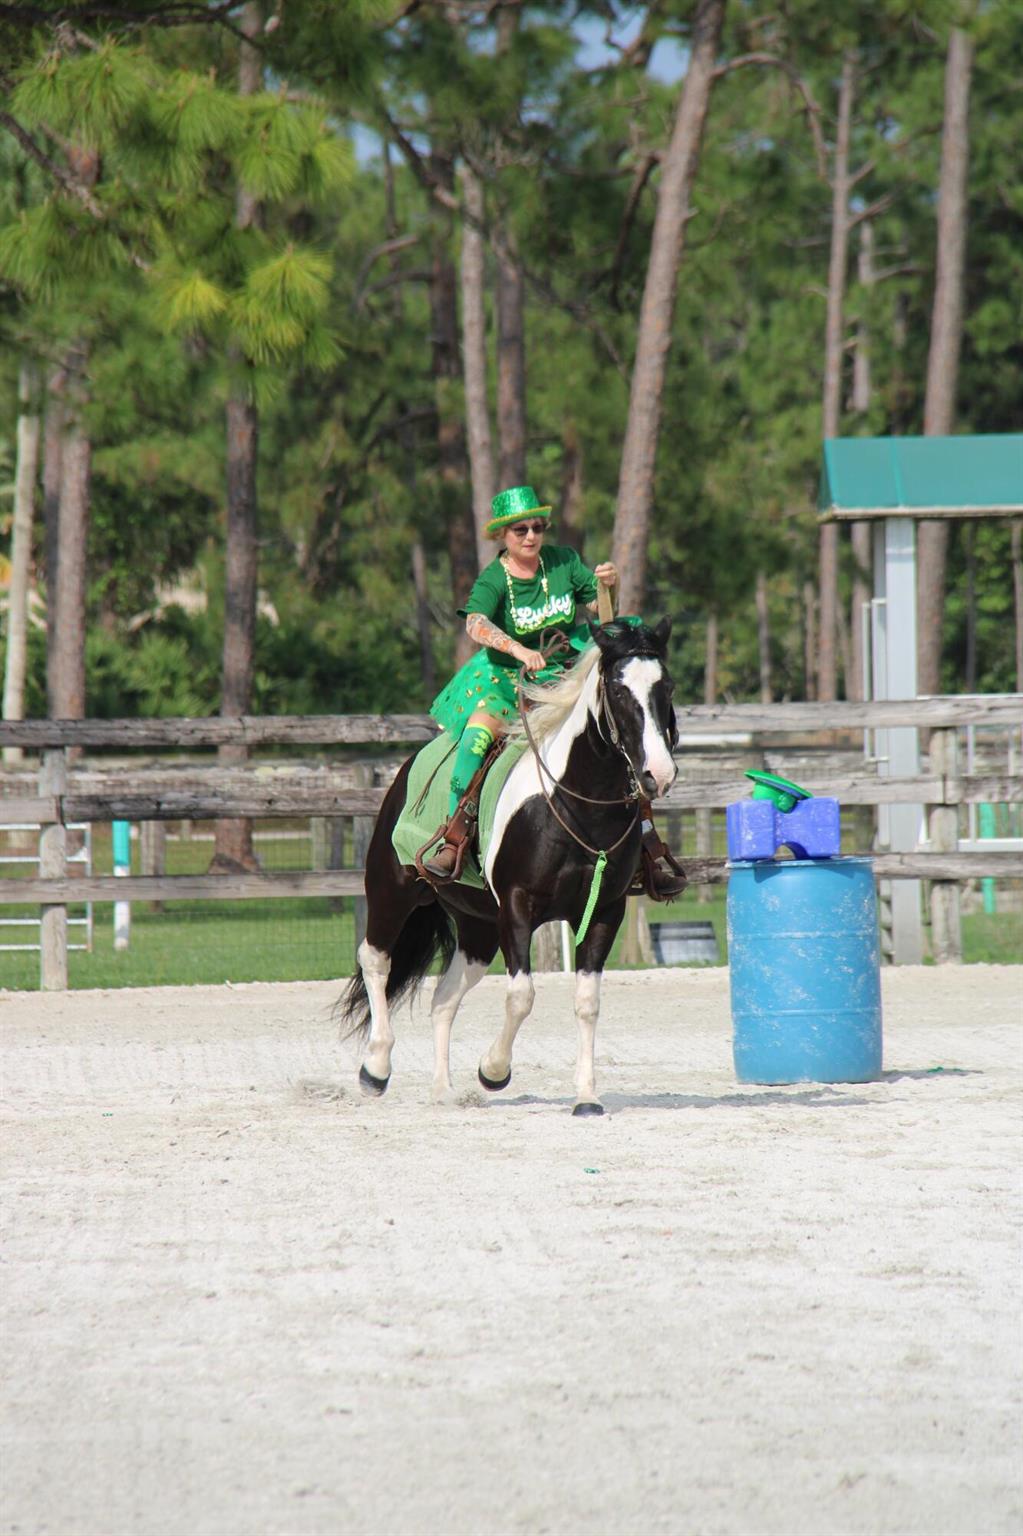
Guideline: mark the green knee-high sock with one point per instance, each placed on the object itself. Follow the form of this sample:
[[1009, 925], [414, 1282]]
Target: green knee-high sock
[[472, 749]]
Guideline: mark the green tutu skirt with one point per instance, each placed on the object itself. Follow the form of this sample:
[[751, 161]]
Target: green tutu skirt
[[481, 685]]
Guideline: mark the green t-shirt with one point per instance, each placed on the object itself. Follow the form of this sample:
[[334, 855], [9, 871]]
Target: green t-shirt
[[522, 608]]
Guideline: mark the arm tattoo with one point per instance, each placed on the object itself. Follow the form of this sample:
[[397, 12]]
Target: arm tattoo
[[483, 631]]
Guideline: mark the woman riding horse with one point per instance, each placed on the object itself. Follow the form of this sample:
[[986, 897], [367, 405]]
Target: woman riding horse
[[562, 845], [522, 610]]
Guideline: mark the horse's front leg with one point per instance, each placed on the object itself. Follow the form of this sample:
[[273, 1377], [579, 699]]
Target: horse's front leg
[[516, 932], [589, 970]]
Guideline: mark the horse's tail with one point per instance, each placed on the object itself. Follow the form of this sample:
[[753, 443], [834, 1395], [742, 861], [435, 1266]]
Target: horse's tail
[[427, 934]]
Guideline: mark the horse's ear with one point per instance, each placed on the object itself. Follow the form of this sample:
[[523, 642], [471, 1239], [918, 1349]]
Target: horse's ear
[[597, 631], [662, 633]]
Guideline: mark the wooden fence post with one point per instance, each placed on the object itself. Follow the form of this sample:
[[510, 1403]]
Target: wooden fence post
[[704, 846], [637, 944], [153, 853], [53, 866], [943, 828], [335, 854], [546, 953], [318, 842], [362, 831], [327, 843]]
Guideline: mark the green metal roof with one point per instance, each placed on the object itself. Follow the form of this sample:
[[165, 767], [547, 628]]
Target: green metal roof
[[922, 476]]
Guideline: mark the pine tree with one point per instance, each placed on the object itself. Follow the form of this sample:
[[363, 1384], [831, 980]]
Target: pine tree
[[141, 203]]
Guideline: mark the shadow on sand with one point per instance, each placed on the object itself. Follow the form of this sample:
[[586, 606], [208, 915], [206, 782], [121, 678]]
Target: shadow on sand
[[822, 1097]]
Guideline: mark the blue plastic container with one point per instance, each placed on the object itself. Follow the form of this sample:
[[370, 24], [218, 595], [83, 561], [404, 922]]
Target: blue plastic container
[[804, 971]]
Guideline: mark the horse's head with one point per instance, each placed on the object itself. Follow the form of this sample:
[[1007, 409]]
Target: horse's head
[[637, 689]]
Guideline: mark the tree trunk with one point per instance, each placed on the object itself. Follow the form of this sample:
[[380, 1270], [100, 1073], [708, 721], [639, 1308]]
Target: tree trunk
[[447, 375], [15, 660], [509, 309], [474, 355], [827, 579], [809, 641], [68, 700], [72, 471], [970, 555], [53, 442], [842, 640], [426, 666], [511, 369], [710, 663], [241, 565], [946, 339], [763, 638], [860, 536], [232, 849], [678, 172], [1017, 598], [861, 391], [570, 520], [861, 594], [407, 443]]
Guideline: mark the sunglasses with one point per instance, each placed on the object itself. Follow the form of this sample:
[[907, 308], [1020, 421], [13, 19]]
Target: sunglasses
[[521, 529]]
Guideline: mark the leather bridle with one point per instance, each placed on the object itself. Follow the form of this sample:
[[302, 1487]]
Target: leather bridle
[[632, 798]]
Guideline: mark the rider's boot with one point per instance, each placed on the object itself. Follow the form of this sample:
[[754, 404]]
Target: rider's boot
[[470, 765], [659, 874], [446, 863]]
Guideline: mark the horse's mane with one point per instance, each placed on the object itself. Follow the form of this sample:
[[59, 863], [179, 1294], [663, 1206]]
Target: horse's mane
[[553, 702]]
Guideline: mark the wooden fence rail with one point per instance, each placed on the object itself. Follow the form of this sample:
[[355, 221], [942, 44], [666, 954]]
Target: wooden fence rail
[[378, 730], [349, 882], [300, 800], [66, 793]]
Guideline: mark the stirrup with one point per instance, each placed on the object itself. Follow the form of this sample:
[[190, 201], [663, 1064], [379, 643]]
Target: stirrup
[[672, 877], [442, 877]]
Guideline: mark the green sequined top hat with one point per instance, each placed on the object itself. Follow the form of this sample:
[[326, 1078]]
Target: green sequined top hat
[[512, 506]]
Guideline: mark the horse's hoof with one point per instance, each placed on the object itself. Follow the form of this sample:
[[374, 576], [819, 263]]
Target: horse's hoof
[[588, 1108], [489, 1083], [372, 1086]]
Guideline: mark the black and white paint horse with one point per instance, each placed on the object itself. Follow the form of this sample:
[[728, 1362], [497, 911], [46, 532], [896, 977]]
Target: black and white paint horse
[[599, 735]]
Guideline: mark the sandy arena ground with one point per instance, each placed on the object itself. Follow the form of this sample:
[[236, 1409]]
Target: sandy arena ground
[[241, 1300]]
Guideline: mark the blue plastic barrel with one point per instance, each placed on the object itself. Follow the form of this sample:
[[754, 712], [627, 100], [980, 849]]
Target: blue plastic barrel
[[804, 971]]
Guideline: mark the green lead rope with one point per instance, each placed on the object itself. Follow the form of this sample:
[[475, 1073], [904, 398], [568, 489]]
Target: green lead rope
[[591, 900]]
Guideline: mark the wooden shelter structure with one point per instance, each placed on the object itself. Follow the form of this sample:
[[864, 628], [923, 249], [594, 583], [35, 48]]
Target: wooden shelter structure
[[895, 482]]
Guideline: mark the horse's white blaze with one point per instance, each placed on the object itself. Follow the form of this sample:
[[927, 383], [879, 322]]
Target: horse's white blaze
[[587, 1007], [639, 675], [459, 978], [524, 781], [376, 967], [518, 1003]]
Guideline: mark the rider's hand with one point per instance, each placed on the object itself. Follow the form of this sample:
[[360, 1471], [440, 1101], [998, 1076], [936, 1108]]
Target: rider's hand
[[606, 573], [532, 661]]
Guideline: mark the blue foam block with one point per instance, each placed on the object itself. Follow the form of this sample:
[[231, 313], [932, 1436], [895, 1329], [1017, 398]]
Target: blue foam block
[[757, 829]]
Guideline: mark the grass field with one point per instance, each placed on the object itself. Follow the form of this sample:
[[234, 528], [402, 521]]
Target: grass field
[[311, 939], [211, 942]]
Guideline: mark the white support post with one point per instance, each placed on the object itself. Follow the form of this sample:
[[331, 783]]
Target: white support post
[[894, 677], [122, 853]]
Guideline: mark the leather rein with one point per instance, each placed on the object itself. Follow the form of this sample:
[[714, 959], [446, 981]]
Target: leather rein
[[632, 798]]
